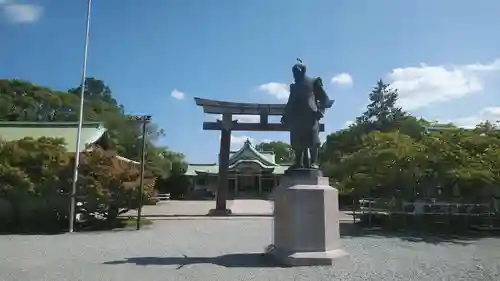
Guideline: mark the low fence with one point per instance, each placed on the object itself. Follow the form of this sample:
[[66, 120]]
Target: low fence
[[163, 196], [418, 214]]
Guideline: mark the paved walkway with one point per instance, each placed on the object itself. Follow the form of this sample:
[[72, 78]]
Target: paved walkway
[[230, 250], [186, 208]]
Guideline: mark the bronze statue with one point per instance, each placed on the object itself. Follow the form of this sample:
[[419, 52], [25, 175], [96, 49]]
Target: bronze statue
[[305, 107]]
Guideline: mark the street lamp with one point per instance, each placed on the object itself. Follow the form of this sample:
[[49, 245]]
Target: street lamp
[[72, 214], [144, 120]]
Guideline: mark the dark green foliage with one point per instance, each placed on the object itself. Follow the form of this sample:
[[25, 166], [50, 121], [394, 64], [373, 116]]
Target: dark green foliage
[[389, 153]]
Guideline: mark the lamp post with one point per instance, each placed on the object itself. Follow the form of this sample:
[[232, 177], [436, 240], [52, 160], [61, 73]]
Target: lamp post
[[144, 120], [72, 214]]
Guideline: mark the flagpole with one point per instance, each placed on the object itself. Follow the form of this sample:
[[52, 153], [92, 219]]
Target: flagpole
[[72, 214]]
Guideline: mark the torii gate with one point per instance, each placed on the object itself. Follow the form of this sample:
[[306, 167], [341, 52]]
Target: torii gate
[[227, 125]]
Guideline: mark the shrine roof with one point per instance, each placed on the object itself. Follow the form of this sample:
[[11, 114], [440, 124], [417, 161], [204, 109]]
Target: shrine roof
[[194, 170], [91, 132], [249, 152]]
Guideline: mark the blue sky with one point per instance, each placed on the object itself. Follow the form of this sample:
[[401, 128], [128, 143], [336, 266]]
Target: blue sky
[[442, 55]]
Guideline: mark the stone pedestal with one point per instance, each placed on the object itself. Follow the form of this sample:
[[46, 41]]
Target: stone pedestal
[[306, 220]]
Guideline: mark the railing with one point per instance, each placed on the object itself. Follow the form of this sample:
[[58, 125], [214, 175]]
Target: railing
[[424, 214], [424, 208], [163, 196]]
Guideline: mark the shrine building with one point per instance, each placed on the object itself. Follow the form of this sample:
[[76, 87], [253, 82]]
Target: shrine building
[[251, 173]]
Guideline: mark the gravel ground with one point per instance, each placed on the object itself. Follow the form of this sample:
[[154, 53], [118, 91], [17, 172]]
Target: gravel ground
[[229, 249]]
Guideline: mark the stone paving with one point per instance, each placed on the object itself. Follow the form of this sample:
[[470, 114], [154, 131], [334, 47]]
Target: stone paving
[[230, 250]]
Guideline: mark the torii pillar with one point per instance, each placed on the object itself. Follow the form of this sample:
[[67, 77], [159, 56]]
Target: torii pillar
[[225, 146]]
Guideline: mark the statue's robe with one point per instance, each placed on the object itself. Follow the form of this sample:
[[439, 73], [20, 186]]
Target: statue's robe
[[306, 105]]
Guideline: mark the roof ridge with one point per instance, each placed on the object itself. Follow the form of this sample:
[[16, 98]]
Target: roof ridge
[[263, 165], [248, 145]]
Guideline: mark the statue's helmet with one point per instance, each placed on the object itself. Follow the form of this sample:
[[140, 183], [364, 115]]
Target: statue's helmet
[[299, 69]]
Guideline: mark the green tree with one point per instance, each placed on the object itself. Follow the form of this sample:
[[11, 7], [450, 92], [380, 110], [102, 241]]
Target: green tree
[[382, 111], [282, 150], [386, 164], [382, 114], [29, 180], [108, 186]]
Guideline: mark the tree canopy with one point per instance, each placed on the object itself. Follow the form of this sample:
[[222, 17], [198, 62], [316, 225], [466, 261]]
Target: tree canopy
[[23, 101]]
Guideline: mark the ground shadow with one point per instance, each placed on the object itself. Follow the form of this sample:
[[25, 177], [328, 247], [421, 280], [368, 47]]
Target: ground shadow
[[32, 231], [348, 230], [230, 260], [32, 228], [98, 226]]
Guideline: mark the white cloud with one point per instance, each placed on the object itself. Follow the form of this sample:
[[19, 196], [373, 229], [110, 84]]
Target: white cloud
[[21, 13], [178, 95], [491, 114], [277, 90], [344, 79], [425, 85]]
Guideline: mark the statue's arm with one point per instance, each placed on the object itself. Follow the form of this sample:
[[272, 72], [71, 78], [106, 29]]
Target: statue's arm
[[321, 96], [288, 106]]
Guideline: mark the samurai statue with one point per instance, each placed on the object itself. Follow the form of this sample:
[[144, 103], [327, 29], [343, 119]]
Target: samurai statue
[[306, 105]]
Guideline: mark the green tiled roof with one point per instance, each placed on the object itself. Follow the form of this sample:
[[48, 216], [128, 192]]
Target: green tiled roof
[[193, 169], [91, 132], [248, 152], [268, 155]]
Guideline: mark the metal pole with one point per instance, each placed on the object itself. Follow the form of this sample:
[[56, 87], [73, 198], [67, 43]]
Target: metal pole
[[141, 181], [80, 122]]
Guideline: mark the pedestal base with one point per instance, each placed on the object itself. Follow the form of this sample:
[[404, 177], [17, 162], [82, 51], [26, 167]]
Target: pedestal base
[[304, 173], [219, 212], [304, 258], [306, 220]]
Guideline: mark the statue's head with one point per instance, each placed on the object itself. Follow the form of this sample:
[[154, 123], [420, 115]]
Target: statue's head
[[299, 71]]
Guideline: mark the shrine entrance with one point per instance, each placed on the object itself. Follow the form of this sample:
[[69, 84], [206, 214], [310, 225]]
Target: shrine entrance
[[226, 125]]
